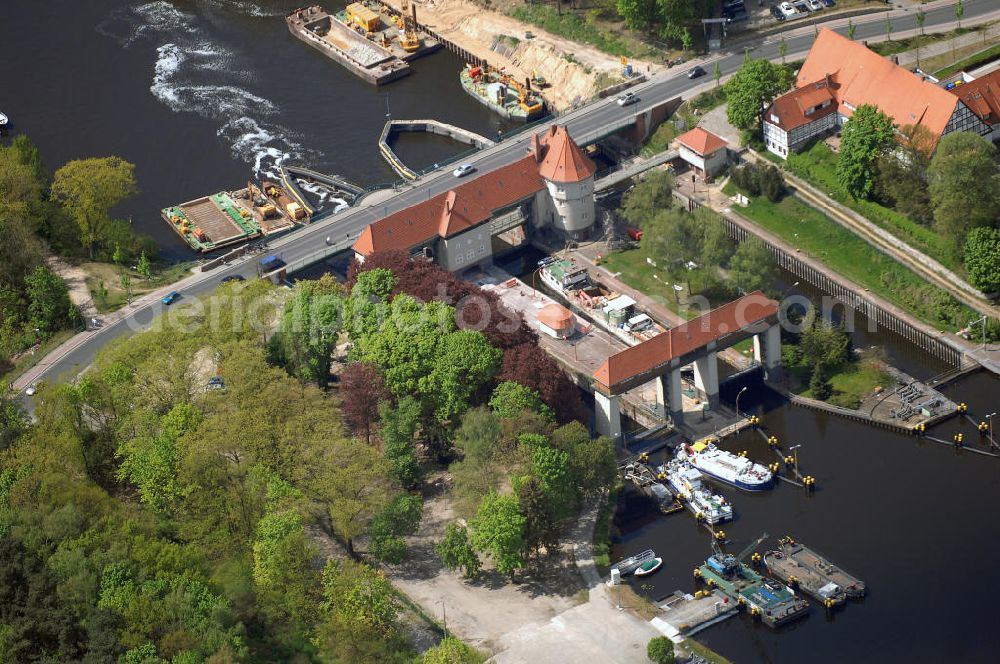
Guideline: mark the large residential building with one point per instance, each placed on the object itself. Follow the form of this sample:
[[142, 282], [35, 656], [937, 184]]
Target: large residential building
[[552, 186], [839, 75]]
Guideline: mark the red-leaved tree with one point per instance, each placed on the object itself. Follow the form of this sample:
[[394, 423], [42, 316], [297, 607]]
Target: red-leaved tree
[[530, 366], [361, 391]]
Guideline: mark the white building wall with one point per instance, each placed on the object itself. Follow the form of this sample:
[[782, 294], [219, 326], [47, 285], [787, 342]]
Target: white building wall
[[573, 205], [468, 248], [692, 157]]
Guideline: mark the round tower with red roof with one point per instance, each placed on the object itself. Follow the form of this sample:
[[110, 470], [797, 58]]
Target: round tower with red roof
[[569, 178]]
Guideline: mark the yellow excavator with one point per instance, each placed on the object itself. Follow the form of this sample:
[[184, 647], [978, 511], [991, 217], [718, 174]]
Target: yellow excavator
[[408, 38]]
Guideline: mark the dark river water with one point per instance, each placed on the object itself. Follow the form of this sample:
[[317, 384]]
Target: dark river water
[[202, 95]]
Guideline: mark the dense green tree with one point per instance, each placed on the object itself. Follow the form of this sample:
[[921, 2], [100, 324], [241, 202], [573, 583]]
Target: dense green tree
[[592, 461], [660, 650], [673, 237], [401, 517], [982, 258], [541, 521], [478, 434], [510, 400], [49, 305], [754, 85], [452, 651], [819, 383], [308, 333], [825, 343], [752, 267], [89, 188], [964, 185], [13, 419], [456, 552], [716, 245], [498, 531], [901, 174], [284, 578], [866, 136], [399, 440], [654, 192], [143, 267], [551, 467], [637, 14]]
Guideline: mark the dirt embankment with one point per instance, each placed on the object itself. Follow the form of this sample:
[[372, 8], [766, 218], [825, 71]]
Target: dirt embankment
[[574, 71]]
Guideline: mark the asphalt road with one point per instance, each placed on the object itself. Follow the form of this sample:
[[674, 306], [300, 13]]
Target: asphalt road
[[79, 352]]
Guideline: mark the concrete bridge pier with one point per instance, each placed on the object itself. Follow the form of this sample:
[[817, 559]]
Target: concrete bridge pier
[[669, 398], [767, 351], [706, 378], [607, 415]]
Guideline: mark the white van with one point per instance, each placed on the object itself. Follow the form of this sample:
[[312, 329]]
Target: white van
[[638, 323]]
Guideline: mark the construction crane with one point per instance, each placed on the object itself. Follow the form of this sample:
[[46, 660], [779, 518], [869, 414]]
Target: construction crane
[[726, 563], [409, 39]]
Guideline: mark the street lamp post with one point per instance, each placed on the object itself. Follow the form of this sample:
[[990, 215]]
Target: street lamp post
[[444, 615], [990, 418], [794, 449], [745, 388]]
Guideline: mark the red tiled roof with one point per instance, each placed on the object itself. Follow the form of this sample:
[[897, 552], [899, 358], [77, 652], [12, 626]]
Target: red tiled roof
[[790, 109], [563, 160], [861, 76], [982, 96], [685, 338], [466, 205], [701, 141]]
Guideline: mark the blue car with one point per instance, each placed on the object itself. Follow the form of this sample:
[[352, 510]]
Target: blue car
[[830, 3], [171, 297]]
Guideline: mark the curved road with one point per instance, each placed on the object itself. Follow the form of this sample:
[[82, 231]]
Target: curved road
[[77, 353]]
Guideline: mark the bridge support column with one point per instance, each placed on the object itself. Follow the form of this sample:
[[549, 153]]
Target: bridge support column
[[767, 351], [669, 398], [706, 378], [607, 415]]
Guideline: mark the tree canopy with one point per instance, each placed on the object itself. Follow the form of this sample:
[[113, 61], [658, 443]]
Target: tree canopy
[[89, 188], [964, 185], [982, 258], [865, 137], [754, 85]]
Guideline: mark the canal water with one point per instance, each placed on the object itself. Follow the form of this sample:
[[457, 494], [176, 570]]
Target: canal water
[[202, 95]]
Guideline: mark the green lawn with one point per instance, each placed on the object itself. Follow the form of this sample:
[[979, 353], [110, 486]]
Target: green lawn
[[854, 381], [982, 57], [818, 164], [814, 233]]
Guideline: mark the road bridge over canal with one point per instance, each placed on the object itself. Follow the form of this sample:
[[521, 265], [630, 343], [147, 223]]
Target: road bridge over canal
[[586, 124]]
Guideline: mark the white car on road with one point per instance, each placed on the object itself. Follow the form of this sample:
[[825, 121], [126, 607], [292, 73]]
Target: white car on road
[[463, 170], [787, 10]]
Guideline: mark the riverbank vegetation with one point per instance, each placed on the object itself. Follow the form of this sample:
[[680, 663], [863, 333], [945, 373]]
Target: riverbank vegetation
[[809, 230], [41, 216], [189, 500], [690, 249]]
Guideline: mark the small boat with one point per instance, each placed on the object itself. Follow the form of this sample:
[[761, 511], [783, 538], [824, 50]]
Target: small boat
[[3, 120], [726, 466], [648, 567], [564, 275]]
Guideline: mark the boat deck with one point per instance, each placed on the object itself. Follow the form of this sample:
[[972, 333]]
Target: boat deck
[[221, 218], [391, 43], [689, 614]]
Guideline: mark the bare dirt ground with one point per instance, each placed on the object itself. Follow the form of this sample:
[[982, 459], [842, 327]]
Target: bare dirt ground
[[474, 29], [482, 611], [76, 281]]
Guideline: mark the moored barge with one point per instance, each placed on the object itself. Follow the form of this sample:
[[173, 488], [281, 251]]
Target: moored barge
[[800, 566]]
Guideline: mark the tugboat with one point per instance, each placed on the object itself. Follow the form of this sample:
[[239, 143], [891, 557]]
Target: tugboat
[[799, 565], [502, 93], [727, 467], [775, 604], [686, 481]]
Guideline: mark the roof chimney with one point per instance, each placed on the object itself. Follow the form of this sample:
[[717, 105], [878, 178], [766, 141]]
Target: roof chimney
[[536, 148]]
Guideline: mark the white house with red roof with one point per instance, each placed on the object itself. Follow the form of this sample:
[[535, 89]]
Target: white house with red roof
[[838, 76], [705, 152], [552, 186]]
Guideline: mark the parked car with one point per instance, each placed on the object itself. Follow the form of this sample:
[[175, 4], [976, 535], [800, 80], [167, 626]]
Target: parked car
[[463, 170], [216, 383], [830, 3], [627, 99], [776, 12], [814, 5], [695, 72], [171, 297], [787, 10], [232, 277], [31, 390], [801, 8]]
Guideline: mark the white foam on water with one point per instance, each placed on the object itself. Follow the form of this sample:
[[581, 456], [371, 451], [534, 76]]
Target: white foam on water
[[324, 195], [193, 74]]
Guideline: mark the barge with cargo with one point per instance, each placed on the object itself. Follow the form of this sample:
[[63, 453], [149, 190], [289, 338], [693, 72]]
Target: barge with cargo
[[371, 43], [773, 602], [502, 93], [686, 482], [800, 566]]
